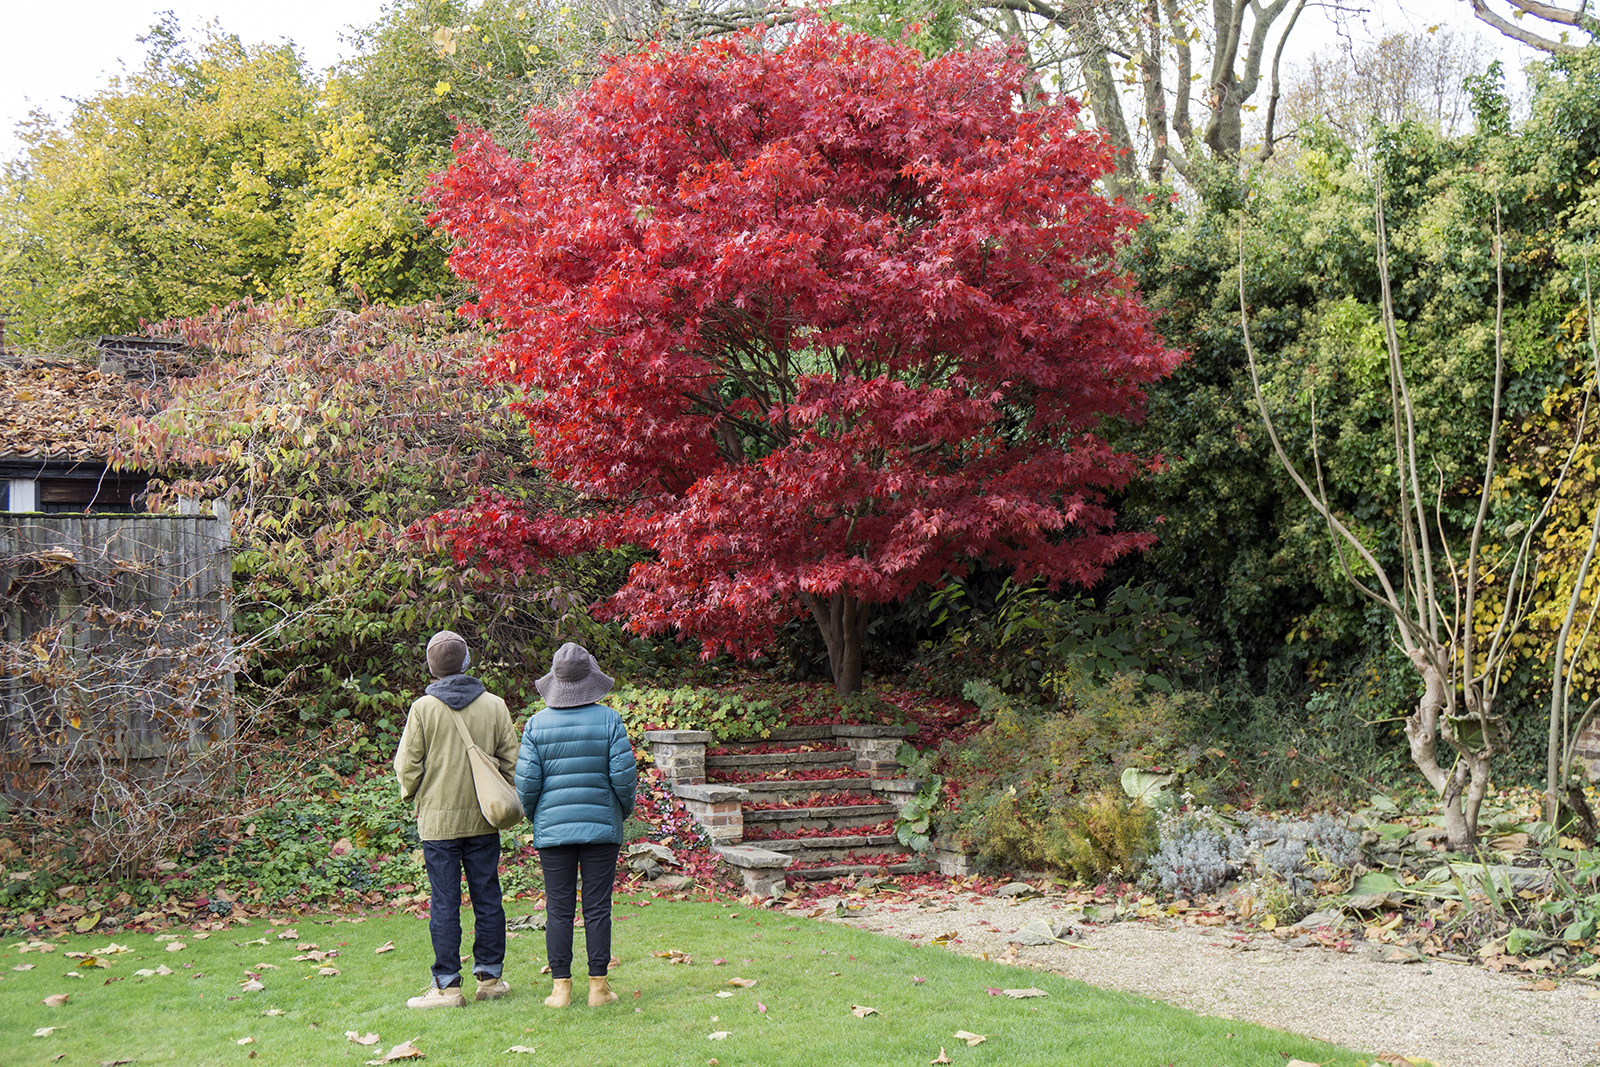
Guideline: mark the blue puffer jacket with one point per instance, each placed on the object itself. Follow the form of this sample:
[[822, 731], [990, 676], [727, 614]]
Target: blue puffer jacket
[[576, 776]]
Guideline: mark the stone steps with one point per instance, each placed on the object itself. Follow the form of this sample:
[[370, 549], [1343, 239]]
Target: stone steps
[[724, 807]]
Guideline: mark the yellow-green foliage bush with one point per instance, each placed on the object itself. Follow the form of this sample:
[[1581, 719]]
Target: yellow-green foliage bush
[[1108, 833], [1039, 786]]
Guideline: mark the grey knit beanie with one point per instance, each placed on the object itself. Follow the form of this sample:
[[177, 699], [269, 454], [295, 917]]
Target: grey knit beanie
[[447, 654]]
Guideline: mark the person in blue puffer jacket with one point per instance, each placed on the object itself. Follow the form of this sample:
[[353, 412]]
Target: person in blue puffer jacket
[[577, 778]]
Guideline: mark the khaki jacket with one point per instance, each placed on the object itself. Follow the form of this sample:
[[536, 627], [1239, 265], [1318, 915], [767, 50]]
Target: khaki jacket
[[431, 763]]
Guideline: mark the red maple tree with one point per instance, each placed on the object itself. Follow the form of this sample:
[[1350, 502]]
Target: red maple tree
[[817, 320]]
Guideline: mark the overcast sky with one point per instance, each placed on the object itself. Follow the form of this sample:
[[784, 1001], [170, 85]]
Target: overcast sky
[[62, 53]]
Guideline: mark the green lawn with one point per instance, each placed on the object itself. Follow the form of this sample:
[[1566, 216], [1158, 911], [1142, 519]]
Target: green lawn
[[809, 976]]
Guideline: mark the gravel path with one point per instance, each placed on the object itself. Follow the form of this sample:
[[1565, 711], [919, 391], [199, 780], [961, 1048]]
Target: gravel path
[[1454, 1015]]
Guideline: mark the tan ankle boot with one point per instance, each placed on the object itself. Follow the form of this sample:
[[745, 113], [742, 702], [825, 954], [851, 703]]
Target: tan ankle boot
[[600, 992], [561, 995]]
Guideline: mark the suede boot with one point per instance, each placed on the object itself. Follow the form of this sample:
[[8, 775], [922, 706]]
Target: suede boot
[[600, 992], [561, 995]]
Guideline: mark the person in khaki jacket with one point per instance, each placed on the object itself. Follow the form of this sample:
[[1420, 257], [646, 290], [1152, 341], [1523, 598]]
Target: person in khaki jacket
[[436, 778]]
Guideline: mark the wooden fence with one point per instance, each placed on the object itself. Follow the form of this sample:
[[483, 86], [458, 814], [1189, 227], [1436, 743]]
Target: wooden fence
[[117, 643]]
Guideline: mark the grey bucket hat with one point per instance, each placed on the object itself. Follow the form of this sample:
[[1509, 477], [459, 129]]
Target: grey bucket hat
[[575, 679]]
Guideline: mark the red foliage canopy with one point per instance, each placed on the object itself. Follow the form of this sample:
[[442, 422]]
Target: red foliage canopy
[[819, 322]]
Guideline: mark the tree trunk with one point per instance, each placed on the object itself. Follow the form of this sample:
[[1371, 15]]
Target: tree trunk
[[1461, 786], [842, 618], [1106, 102]]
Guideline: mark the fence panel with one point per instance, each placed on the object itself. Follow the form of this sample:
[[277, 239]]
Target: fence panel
[[117, 641]]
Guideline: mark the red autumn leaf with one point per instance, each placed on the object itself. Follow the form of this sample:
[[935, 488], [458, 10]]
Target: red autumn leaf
[[813, 324]]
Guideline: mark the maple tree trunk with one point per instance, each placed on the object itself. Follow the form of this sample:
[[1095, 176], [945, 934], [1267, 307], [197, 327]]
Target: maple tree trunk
[[842, 618]]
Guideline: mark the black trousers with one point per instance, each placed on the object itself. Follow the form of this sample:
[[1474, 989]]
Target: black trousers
[[562, 865]]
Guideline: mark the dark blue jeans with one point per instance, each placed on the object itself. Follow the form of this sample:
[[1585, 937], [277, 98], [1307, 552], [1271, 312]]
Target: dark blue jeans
[[479, 858], [562, 865]]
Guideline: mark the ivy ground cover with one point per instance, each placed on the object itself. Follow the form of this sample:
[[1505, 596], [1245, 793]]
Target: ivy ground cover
[[812, 993]]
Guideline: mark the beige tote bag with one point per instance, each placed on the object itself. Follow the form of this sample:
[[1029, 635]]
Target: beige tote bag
[[497, 799]]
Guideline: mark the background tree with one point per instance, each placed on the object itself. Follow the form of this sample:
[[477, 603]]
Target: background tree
[[1416, 77], [1551, 29], [817, 323], [170, 191]]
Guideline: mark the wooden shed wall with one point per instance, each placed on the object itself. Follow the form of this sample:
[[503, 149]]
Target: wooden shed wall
[[117, 636]]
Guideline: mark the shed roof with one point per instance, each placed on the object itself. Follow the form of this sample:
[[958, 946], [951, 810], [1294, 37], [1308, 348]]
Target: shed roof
[[67, 408]]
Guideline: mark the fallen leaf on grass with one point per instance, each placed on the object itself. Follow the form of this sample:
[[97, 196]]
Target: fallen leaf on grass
[[387, 946], [273, 1011], [718, 962], [724, 994], [861, 1011], [360, 1039], [252, 986], [257, 941], [673, 955], [327, 972], [287, 935], [201, 936], [992, 991], [1300, 1063], [55, 1000], [113, 1063], [1020, 994], [971, 1038], [112, 949], [919, 981], [176, 946], [718, 1035], [942, 1057], [37, 946], [521, 1048], [45, 1031], [762, 1008], [23, 967], [744, 983], [245, 1041], [405, 1050]]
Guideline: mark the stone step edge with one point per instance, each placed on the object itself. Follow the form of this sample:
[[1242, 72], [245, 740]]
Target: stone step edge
[[831, 730], [801, 844], [819, 874], [840, 811], [861, 784], [841, 758]]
